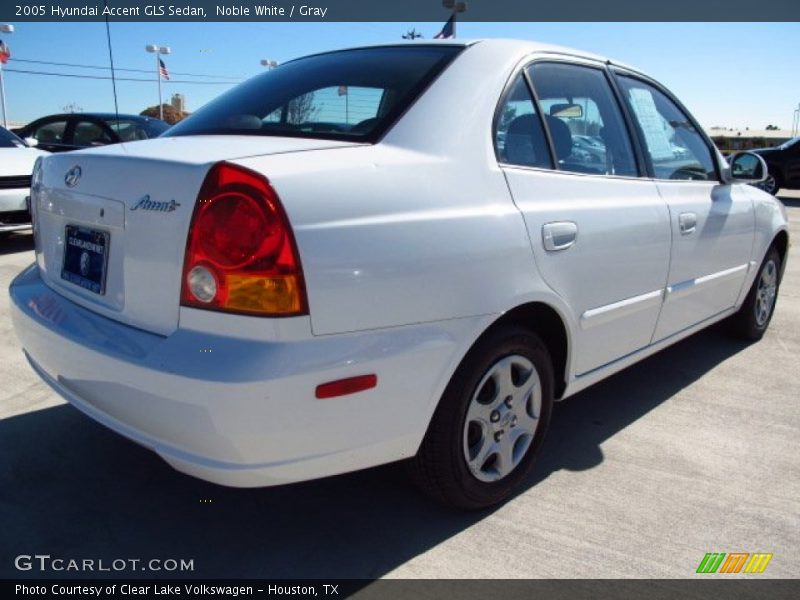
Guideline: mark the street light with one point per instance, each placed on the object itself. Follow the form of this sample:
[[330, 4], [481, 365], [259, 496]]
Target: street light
[[154, 49], [4, 28], [456, 7], [269, 64]]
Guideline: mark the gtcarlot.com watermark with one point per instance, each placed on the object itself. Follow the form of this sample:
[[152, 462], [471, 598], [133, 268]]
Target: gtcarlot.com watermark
[[45, 563]]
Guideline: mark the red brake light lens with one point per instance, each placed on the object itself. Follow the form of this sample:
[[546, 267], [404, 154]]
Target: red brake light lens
[[240, 254]]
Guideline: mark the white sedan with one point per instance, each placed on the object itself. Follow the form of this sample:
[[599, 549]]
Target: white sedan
[[16, 164], [387, 253]]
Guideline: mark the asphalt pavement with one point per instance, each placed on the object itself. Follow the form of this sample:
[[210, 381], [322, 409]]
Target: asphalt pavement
[[694, 450]]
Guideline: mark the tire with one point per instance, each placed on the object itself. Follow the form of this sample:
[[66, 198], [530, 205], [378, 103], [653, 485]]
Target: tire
[[752, 319], [772, 184], [490, 423]]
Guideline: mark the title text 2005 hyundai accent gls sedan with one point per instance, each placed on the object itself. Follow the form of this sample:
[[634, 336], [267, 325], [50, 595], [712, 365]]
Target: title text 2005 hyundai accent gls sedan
[[389, 252]]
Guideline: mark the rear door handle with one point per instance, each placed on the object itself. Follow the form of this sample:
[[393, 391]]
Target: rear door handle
[[559, 235], [687, 222]]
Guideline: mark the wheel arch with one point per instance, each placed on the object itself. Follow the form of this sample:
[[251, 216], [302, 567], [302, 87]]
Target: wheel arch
[[545, 321], [781, 243]]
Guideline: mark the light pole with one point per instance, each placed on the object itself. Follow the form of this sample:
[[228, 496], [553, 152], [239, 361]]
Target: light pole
[[456, 7], [4, 29], [269, 64], [157, 50]]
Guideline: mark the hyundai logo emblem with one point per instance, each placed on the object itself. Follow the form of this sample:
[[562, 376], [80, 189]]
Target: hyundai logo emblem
[[73, 176]]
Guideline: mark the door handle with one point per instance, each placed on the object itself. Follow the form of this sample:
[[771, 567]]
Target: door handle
[[559, 235], [687, 222]]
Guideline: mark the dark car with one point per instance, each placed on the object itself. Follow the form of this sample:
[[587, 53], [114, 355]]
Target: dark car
[[60, 133], [784, 166]]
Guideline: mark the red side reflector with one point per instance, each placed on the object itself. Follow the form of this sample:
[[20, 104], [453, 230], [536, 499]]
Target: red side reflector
[[342, 387]]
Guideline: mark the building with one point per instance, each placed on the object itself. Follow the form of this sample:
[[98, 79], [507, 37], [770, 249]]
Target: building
[[178, 102], [732, 140]]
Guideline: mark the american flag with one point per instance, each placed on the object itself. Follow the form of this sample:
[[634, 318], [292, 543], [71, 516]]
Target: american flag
[[448, 31], [5, 52], [162, 69], [343, 90]]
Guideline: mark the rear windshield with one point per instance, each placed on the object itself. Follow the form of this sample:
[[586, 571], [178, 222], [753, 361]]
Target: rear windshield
[[347, 95], [9, 140]]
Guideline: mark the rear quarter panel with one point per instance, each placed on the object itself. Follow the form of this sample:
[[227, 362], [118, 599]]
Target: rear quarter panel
[[419, 227]]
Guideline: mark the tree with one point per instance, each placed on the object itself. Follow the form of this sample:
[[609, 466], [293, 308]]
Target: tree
[[72, 107], [772, 128], [412, 35], [171, 114], [301, 109]]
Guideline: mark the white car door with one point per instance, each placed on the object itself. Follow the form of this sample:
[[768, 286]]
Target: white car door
[[712, 223], [600, 233]]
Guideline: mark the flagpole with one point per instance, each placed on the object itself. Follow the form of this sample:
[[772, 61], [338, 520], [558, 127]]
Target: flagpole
[[158, 50], [158, 76], [9, 29], [3, 96]]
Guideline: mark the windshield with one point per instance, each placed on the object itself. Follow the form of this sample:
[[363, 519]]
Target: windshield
[[789, 144], [348, 95], [9, 140]]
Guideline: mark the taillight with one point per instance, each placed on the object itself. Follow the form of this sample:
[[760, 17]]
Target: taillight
[[33, 206], [241, 255]]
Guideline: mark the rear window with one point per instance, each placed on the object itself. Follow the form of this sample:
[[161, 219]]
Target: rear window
[[348, 95]]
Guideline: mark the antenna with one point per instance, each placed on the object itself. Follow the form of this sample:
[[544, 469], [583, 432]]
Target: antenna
[[111, 59]]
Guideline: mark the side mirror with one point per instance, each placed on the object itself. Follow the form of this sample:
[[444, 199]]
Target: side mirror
[[32, 142], [746, 167]]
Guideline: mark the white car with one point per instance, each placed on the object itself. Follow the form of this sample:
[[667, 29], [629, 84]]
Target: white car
[[16, 164], [388, 252]]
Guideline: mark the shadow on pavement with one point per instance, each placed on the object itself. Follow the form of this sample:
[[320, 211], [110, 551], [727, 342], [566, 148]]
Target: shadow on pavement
[[12, 243], [70, 488], [793, 202]]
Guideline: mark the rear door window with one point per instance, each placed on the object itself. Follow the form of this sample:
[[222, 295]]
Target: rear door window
[[519, 138], [584, 120]]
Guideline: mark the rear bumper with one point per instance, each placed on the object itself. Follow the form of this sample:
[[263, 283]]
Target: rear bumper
[[13, 201], [238, 411]]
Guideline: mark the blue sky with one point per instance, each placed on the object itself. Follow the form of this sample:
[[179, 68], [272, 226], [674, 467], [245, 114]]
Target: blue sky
[[731, 74]]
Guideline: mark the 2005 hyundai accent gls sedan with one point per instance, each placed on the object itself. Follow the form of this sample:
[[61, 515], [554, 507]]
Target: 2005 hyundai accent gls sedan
[[389, 252]]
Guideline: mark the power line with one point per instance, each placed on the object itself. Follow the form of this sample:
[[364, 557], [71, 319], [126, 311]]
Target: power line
[[60, 64], [118, 78]]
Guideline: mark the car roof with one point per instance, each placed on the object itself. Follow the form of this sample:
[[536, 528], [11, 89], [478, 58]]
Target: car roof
[[514, 46]]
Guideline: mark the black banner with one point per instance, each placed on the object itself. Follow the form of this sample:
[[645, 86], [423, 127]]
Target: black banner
[[400, 11], [563, 589]]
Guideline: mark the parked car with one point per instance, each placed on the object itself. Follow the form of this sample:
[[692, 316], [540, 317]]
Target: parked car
[[60, 133], [783, 163], [591, 145], [16, 164], [261, 298]]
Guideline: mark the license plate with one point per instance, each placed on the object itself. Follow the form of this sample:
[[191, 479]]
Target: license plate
[[85, 258]]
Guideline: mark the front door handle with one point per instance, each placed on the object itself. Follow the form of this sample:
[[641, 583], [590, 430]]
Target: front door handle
[[687, 222], [559, 235]]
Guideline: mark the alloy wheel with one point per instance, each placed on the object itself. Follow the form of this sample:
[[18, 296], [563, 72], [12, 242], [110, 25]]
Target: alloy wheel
[[502, 418]]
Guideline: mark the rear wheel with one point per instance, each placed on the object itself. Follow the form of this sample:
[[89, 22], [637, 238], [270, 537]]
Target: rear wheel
[[753, 318], [490, 423]]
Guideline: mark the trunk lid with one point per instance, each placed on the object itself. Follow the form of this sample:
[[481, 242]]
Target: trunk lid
[[130, 206]]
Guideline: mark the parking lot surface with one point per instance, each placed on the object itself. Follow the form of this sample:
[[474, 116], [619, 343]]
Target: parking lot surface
[[694, 450]]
